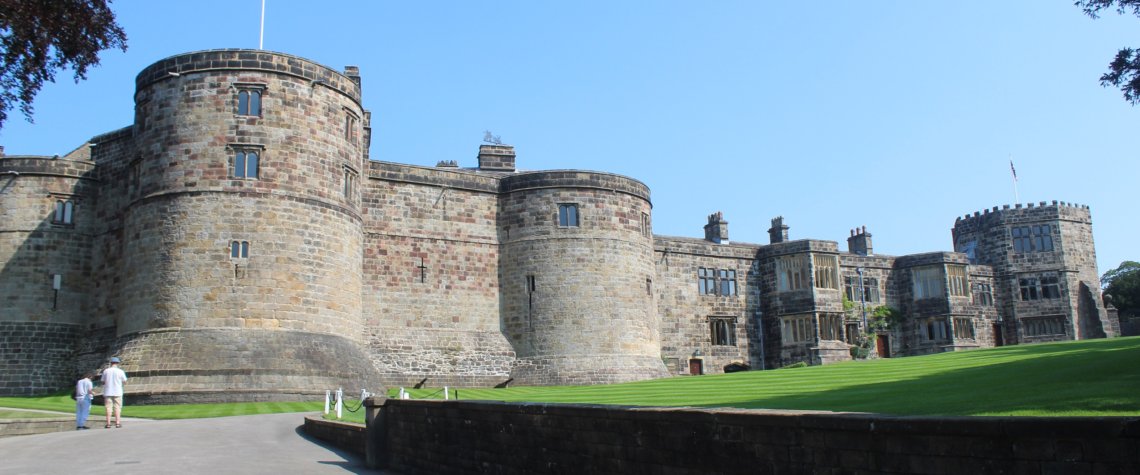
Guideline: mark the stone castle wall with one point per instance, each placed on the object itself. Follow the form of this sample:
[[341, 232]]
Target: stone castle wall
[[431, 265], [296, 213], [685, 313], [588, 316], [1072, 260]]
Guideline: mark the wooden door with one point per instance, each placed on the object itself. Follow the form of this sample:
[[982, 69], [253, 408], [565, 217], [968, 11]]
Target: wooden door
[[884, 346], [696, 366]]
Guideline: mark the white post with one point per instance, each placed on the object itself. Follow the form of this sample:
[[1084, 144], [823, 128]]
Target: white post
[[339, 402], [445, 395], [327, 402], [401, 395]]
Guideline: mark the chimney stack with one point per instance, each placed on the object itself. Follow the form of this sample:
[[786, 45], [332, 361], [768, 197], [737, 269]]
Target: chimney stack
[[860, 242], [717, 229], [779, 231], [497, 157]]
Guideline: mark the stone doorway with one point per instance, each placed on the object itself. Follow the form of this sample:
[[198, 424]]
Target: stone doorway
[[696, 366], [883, 344], [999, 340]]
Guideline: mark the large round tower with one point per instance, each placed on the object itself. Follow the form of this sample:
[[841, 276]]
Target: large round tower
[[242, 252], [45, 244], [577, 267]]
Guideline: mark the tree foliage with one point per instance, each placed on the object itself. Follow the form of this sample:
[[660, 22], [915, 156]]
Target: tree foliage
[[1124, 70], [39, 37], [1123, 283]]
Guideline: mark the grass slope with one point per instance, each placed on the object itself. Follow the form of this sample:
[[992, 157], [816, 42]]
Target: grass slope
[[1085, 378]]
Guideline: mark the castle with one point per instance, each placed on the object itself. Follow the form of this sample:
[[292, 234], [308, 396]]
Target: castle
[[237, 243]]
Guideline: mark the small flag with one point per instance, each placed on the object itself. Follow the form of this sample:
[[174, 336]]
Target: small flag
[[1013, 170]]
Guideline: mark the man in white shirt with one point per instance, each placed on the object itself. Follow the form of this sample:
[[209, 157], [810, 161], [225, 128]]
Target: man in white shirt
[[113, 379], [83, 400]]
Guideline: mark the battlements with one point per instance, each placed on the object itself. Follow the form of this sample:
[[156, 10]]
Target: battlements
[[247, 60]]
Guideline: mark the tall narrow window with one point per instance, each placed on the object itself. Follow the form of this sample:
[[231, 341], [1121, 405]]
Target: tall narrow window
[[239, 249], [959, 283], [646, 229], [649, 287], [723, 331], [349, 182], [568, 215], [929, 282], [706, 281], [1042, 238], [791, 273], [64, 212], [249, 102], [246, 163], [350, 127], [984, 295], [826, 271]]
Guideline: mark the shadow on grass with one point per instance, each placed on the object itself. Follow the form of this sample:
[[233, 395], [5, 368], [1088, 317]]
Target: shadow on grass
[[1054, 380]]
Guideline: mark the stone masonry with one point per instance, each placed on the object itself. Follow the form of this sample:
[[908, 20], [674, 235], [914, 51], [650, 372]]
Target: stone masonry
[[236, 242]]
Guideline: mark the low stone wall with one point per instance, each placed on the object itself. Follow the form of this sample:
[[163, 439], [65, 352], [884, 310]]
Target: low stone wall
[[411, 436], [14, 427], [343, 435]]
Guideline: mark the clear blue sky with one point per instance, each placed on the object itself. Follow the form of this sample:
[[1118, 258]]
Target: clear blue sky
[[897, 115]]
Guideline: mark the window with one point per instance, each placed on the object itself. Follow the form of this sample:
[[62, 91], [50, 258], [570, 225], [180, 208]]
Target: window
[[1032, 238], [791, 273], [349, 182], [959, 283], [1029, 288], [727, 282], [246, 163], [928, 282], [1042, 238], [826, 271], [249, 102], [649, 287], [963, 328], [239, 249], [984, 295], [831, 326], [64, 212], [530, 285], [568, 215], [1043, 326], [797, 329], [350, 127], [646, 229], [1050, 287], [1044, 287], [933, 329], [716, 281], [723, 330], [870, 289]]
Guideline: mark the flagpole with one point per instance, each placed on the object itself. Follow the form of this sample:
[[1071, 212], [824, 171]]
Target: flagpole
[[261, 39], [1013, 171]]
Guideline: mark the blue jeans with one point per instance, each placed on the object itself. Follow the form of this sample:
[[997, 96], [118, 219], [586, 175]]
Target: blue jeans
[[82, 409]]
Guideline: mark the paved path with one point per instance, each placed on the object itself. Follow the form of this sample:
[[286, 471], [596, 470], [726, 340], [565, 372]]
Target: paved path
[[271, 443]]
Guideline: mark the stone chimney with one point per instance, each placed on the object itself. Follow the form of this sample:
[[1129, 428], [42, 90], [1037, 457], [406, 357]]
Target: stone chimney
[[779, 231], [497, 157], [353, 74], [860, 242], [717, 229]]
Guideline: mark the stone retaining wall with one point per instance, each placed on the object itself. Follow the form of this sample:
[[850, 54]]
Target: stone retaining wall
[[343, 435], [488, 437]]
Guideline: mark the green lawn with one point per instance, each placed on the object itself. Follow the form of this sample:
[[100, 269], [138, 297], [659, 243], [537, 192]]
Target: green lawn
[[15, 414], [1086, 378]]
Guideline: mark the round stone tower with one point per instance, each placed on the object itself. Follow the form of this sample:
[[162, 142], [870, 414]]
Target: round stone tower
[[45, 244], [242, 239], [577, 267]]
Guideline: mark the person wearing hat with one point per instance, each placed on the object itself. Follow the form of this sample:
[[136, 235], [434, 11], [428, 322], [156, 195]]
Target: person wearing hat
[[113, 379]]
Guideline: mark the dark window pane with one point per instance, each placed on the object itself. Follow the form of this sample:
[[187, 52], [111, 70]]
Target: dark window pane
[[235, 249], [243, 103], [239, 166], [255, 103], [251, 165]]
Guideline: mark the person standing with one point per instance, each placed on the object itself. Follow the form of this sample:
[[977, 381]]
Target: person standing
[[83, 396], [113, 379]]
